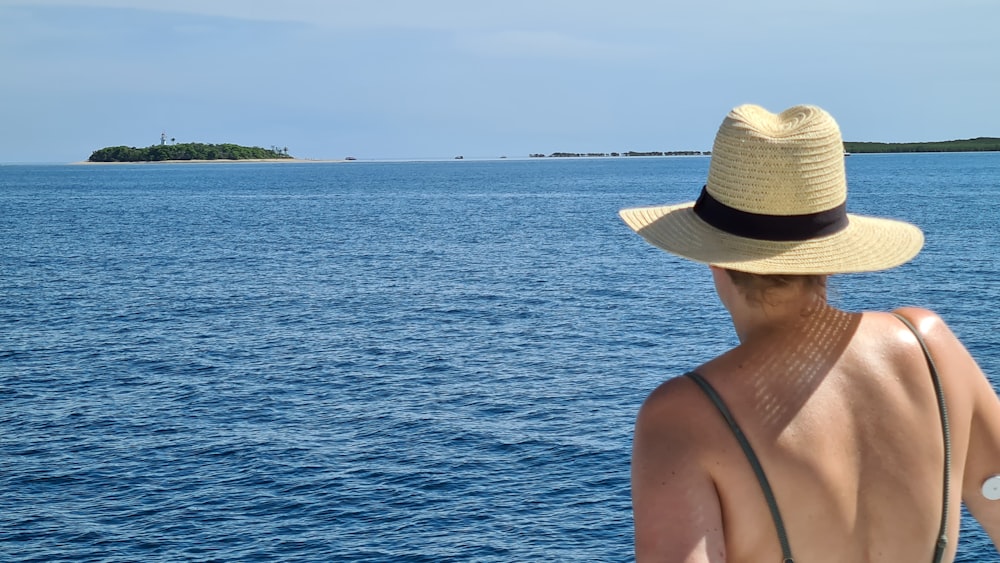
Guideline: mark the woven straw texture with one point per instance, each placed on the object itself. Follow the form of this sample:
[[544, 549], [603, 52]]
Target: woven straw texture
[[790, 163]]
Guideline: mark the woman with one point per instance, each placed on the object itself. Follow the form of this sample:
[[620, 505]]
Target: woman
[[824, 435]]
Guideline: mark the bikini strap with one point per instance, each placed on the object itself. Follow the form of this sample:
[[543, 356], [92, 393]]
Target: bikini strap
[[942, 541], [758, 470]]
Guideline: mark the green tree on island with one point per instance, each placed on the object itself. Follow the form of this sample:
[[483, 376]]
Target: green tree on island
[[979, 144], [186, 151]]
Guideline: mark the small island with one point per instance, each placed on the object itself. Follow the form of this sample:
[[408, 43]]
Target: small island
[[187, 151]]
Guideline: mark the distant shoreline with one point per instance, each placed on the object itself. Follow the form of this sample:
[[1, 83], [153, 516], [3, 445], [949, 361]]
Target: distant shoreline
[[979, 144], [213, 161]]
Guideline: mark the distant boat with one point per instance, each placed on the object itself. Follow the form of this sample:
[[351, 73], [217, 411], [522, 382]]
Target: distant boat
[[350, 158], [459, 157]]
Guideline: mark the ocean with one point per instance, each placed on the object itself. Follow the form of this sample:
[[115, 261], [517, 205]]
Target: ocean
[[383, 361]]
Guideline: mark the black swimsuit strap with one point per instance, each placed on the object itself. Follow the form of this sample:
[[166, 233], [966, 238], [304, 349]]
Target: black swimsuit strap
[[758, 470], [942, 541]]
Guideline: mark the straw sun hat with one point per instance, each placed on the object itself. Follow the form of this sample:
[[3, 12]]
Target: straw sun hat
[[775, 203]]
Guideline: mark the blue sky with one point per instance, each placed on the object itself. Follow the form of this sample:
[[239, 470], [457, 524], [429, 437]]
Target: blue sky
[[439, 78]]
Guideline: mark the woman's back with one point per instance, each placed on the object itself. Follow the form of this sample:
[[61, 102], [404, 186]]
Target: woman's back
[[844, 418]]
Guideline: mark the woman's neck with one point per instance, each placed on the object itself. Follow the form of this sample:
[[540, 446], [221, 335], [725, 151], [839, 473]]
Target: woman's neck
[[779, 313]]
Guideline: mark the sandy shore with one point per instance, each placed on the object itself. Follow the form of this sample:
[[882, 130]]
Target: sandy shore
[[217, 161]]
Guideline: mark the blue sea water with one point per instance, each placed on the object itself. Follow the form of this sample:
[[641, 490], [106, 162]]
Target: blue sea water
[[396, 361]]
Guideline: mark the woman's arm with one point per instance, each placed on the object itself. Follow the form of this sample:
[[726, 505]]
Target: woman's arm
[[983, 460], [678, 516], [962, 372]]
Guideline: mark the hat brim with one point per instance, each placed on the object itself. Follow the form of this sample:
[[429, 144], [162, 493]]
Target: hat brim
[[868, 244]]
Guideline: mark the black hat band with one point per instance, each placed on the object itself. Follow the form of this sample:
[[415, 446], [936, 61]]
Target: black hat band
[[780, 228]]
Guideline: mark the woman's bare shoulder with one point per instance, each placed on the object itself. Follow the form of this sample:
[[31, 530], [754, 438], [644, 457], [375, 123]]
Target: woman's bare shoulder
[[677, 420], [927, 322], [946, 350], [886, 332], [676, 399]]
